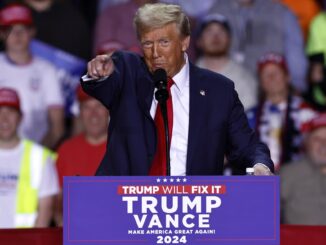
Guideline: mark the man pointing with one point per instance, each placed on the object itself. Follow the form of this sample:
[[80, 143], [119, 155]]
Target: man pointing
[[206, 118]]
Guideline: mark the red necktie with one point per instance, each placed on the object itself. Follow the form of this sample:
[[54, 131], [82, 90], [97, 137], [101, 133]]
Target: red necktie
[[158, 167]]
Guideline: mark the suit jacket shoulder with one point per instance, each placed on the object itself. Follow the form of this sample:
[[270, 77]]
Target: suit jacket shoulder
[[211, 78]]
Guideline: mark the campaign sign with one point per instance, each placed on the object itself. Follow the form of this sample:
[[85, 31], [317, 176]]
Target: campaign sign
[[232, 210]]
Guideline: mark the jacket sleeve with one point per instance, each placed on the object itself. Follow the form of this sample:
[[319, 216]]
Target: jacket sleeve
[[108, 90]]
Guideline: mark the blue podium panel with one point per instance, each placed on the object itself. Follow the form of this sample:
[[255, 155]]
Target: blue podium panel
[[172, 210]]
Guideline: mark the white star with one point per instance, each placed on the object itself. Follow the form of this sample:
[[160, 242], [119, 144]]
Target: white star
[[178, 179], [184, 180], [158, 180], [171, 180], [165, 180]]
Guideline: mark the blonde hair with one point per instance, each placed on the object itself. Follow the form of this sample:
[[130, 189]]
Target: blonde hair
[[157, 15]]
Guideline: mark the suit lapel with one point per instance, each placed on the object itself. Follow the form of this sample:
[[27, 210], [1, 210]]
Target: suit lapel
[[145, 91], [197, 108]]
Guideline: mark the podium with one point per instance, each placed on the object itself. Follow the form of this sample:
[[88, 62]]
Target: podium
[[230, 210]]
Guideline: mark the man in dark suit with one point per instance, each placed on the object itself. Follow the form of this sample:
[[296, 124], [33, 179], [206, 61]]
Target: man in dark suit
[[208, 120]]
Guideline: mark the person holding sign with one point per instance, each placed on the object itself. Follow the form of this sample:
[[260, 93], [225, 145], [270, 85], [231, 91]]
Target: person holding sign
[[206, 120]]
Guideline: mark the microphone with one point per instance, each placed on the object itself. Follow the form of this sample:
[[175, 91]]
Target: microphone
[[161, 95], [160, 79]]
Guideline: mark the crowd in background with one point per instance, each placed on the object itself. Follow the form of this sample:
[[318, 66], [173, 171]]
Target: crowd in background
[[273, 50]]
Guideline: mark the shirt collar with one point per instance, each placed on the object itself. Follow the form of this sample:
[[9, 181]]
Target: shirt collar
[[181, 79]]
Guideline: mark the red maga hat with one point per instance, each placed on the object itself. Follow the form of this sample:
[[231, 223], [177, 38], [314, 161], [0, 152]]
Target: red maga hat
[[15, 14], [272, 58], [315, 123], [9, 97]]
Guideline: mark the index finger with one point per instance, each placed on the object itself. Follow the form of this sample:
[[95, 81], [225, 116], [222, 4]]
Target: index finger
[[106, 57]]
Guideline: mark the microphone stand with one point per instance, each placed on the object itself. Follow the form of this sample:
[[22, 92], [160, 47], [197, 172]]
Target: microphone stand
[[161, 96]]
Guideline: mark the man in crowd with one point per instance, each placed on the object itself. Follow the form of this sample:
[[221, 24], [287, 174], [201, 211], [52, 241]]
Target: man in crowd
[[28, 179], [303, 183], [214, 42], [206, 120], [261, 26], [81, 154], [34, 79]]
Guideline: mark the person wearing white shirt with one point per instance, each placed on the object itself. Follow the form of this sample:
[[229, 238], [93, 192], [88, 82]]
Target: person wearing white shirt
[[35, 80]]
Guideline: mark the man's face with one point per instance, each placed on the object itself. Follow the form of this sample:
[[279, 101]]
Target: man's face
[[214, 40], [18, 38], [94, 117], [163, 48], [316, 146], [9, 122], [273, 79]]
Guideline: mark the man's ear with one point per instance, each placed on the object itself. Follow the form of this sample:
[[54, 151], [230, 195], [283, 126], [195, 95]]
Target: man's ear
[[185, 43]]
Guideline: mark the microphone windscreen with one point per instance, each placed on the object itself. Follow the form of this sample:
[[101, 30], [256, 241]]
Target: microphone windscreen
[[159, 75]]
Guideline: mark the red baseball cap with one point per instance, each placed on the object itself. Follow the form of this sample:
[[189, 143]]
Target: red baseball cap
[[9, 97], [272, 58], [315, 123], [15, 14]]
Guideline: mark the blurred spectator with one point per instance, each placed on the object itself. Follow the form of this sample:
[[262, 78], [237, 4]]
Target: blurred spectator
[[114, 28], [303, 184], [28, 179], [305, 10], [261, 26], [82, 154], [316, 94], [33, 78], [214, 41], [59, 24], [316, 42], [278, 117]]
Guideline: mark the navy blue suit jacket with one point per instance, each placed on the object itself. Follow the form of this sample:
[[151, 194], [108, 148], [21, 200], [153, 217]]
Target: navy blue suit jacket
[[217, 123]]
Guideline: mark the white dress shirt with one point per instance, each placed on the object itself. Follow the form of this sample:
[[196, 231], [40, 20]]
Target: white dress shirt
[[180, 103]]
